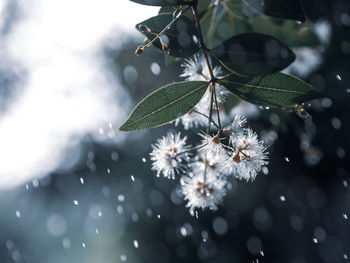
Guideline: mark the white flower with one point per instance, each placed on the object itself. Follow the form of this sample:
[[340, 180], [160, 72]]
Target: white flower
[[196, 68], [248, 157], [200, 194], [206, 162], [236, 128], [212, 145], [168, 155]]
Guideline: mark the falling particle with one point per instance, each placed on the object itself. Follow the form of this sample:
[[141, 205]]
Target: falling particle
[[81, 180], [83, 244], [27, 187], [282, 198], [338, 77], [35, 183], [286, 159], [121, 198], [143, 160], [345, 183], [123, 258], [18, 213], [262, 253], [205, 236], [96, 231], [345, 256], [345, 216], [158, 216], [108, 171], [99, 213], [76, 202], [315, 240], [120, 209], [136, 244], [348, 90], [132, 178]]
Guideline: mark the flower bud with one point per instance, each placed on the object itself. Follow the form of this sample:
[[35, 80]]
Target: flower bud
[[144, 28]]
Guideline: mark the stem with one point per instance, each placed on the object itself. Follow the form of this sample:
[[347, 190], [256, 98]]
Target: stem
[[168, 26], [213, 122], [217, 109]]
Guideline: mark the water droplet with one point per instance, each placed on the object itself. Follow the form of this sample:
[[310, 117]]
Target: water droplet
[[121, 198], [345, 216], [282, 198], [99, 213], [338, 77], [27, 187], [345, 256], [96, 231], [101, 131], [348, 90], [83, 244], [262, 253], [81, 180], [158, 216], [315, 240], [205, 236], [120, 209], [108, 171], [66, 243], [123, 258], [143, 160], [136, 244], [76, 202], [35, 183], [132, 178], [345, 183], [18, 213], [286, 159], [183, 231]]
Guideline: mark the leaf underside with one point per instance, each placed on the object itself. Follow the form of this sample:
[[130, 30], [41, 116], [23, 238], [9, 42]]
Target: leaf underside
[[275, 90], [165, 105]]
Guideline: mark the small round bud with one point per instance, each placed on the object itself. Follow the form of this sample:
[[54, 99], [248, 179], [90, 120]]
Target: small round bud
[[144, 28], [139, 50]]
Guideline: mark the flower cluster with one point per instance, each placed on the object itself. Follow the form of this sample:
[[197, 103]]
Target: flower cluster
[[231, 152]]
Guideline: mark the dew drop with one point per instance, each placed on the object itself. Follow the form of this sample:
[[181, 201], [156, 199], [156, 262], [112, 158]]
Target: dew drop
[[18, 214], [282, 198], [76, 202], [315, 240], [143, 160], [338, 77], [345, 183], [136, 244]]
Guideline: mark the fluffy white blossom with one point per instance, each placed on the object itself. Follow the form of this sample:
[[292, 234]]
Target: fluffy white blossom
[[196, 68], [236, 128], [212, 144], [200, 194], [248, 156], [168, 155]]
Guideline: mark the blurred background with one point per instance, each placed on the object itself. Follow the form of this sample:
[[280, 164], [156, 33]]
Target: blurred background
[[75, 189]]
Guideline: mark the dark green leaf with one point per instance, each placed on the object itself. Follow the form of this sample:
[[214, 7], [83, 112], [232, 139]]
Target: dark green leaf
[[275, 90], [287, 31], [161, 2], [181, 35], [286, 9], [165, 104], [254, 54]]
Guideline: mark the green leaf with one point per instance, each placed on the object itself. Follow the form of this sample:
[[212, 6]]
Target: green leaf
[[165, 104], [161, 2], [285, 9], [287, 31], [275, 90], [181, 35], [254, 54]]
